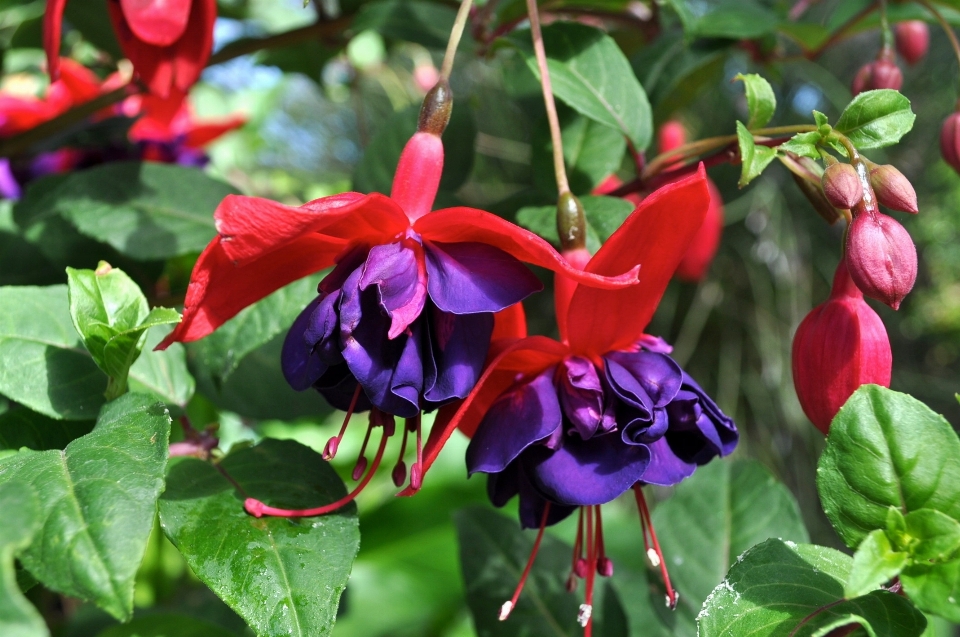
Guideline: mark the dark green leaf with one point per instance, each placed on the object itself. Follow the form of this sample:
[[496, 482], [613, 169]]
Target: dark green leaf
[[426, 23], [780, 589], [754, 158], [167, 626], [87, 16], [21, 427], [589, 72], [21, 521], [875, 119], [724, 509], [284, 576], [592, 152], [934, 588], [45, 367], [98, 500], [875, 563], [886, 449], [761, 101]]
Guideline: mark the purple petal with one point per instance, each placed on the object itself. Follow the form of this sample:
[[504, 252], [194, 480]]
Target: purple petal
[[582, 397], [301, 366], [586, 472], [398, 273], [338, 386], [666, 469], [458, 347], [323, 330], [639, 430], [503, 485], [9, 188], [532, 504], [348, 261], [628, 389], [658, 375], [517, 419], [721, 430], [467, 278], [654, 344]]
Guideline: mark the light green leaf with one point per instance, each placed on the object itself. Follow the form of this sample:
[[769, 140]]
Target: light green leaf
[[21, 520], [284, 576], [886, 449], [934, 588], [820, 119], [876, 119], [803, 144], [754, 158], [874, 564], [163, 374], [761, 101], [98, 503], [930, 536], [590, 73], [592, 152]]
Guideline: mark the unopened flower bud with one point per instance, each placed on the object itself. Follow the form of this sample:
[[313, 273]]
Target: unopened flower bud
[[698, 257], [882, 73], [881, 257], [842, 186], [840, 345], [893, 190], [913, 40], [950, 141]]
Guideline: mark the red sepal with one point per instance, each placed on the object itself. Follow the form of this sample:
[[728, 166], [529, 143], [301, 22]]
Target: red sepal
[[219, 288], [509, 323], [199, 135], [655, 236], [157, 22], [696, 262], [526, 356], [52, 28], [452, 225]]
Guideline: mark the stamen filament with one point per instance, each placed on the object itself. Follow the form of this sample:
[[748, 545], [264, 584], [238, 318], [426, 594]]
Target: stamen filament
[[259, 509], [647, 525], [508, 606], [399, 473], [361, 465], [331, 449], [416, 471], [585, 616], [576, 565]]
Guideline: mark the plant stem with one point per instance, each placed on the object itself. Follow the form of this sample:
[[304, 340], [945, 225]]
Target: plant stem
[[945, 25], [885, 32], [455, 34], [559, 169]]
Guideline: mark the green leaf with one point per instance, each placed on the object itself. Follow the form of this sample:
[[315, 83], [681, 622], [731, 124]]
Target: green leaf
[[98, 503], [875, 563], [163, 374], [781, 589], [21, 427], [112, 317], [732, 19], [714, 516], [761, 101], [604, 215], [493, 553], [875, 119], [934, 588], [930, 536], [21, 521], [886, 449], [803, 144], [167, 626], [754, 158], [45, 366], [144, 210], [592, 152], [820, 119], [87, 17], [284, 576], [589, 73], [426, 23]]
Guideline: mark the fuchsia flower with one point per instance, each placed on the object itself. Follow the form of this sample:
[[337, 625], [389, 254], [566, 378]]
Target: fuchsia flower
[[404, 320], [573, 424]]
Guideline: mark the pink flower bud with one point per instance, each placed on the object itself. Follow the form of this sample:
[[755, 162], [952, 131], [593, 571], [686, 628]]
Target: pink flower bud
[[950, 141], [672, 135], [881, 257], [425, 76], [913, 40], [878, 74], [840, 345], [893, 190], [696, 261], [842, 186]]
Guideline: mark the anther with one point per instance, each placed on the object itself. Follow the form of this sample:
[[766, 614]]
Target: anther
[[331, 449], [654, 553], [584, 614], [509, 605], [399, 473], [653, 557], [505, 610]]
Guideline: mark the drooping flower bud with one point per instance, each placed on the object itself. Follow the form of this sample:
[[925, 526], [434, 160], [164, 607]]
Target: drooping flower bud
[[881, 257], [842, 186], [950, 140], [698, 257], [913, 40], [840, 345], [893, 190], [881, 73]]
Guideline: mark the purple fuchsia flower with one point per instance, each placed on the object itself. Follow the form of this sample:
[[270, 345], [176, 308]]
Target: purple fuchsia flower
[[404, 320], [572, 425]]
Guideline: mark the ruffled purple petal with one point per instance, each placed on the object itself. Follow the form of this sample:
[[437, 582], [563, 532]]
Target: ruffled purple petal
[[641, 431], [658, 375], [586, 472], [323, 332], [338, 387], [347, 262], [504, 485], [397, 271], [458, 347], [467, 278], [516, 420], [718, 427], [532, 505], [666, 468], [582, 397], [301, 365]]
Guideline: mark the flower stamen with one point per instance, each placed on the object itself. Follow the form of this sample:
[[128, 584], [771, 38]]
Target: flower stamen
[[655, 555], [509, 605], [334, 443], [416, 471], [399, 473]]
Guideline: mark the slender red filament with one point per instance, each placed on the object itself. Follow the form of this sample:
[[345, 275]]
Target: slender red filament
[[258, 509], [416, 471], [647, 526], [399, 473], [361, 465], [331, 449], [604, 565], [578, 561], [585, 616], [507, 607]]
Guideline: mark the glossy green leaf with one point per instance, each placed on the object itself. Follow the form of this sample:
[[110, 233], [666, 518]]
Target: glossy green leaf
[[803, 144], [98, 502], [875, 563], [112, 317], [781, 589], [930, 536], [886, 449], [163, 374], [20, 427], [875, 119], [934, 588], [167, 626], [284, 576], [21, 521], [589, 73], [761, 102], [493, 553], [714, 516], [592, 152], [45, 366], [754, 158], [144, 210]]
